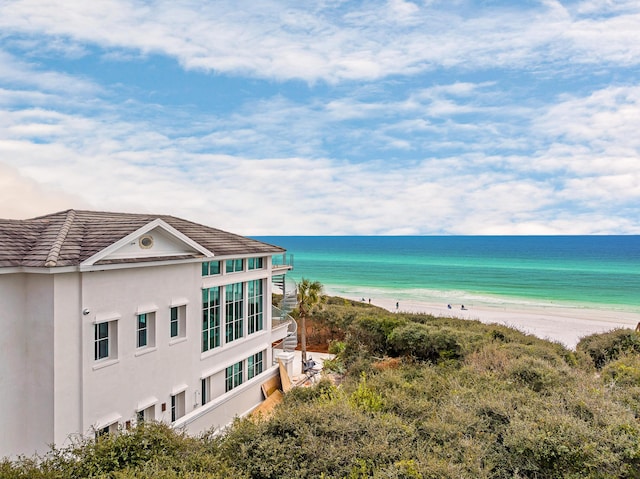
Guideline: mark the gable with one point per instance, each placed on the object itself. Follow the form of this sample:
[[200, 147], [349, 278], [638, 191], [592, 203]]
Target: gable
[[155, 241]]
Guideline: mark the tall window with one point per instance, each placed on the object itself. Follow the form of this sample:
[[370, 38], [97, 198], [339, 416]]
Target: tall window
[[177, 406], [255, 305], [233, 376], [101, 348], [177, 322], [210, 318], [254, 263], [233, 312], [210, 268], [145, 330], [173, 323], [234, 265], [254, 365]]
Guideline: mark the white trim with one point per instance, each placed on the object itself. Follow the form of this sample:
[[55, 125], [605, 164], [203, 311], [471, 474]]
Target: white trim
[[107, 317], [145, 350], [146, 308], [178, 302], [107, 420], [179, 389], [103, 363], [147, 402], [157, 223]]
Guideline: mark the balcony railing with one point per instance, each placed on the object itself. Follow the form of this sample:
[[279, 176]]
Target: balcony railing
[[282, 261]]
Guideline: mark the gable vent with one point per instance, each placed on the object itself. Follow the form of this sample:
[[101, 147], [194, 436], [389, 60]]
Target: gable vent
[[145, 242]]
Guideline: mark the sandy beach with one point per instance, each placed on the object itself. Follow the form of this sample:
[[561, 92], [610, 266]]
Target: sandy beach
[[562, 324]]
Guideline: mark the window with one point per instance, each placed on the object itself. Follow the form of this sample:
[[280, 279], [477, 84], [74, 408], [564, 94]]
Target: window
[[234, 265], [105, 431], [210, 318], [255, 263], [145, 330], [147, 414], [233, 376], [205, 390], [105, 340], [177, 406], [177, 322], [255, 305], [210, 268], [254, 365], [234, 327]]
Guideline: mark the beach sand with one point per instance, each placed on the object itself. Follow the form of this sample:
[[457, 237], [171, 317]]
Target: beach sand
[[562, 324]]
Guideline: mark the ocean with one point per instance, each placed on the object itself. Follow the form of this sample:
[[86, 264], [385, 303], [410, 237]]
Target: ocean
[[598, 272]]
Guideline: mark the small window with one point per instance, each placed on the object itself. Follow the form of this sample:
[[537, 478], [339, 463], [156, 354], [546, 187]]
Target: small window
[[210, 268], [234, 265], [105, 340], [205, 385], [255, 263], [106, 430], [177, 406], [255, 365], [177, 324], [233, 376], [147, 414], [145, 330]]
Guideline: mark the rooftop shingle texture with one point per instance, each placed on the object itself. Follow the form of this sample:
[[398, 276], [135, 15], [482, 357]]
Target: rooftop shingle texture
[[68, 238]]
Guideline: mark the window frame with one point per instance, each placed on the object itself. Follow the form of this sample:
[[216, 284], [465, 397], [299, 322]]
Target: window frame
[[255, 306], [235, 265], [234, 312], [211, 336], [233, 376], [255, 365]]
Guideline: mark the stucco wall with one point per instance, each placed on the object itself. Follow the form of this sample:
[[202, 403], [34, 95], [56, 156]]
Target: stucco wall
[[13, 366]]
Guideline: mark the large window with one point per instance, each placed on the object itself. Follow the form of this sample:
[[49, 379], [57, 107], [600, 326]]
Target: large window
[[255, 263], [210, 318], [234, 265], [234, 327], [210, 268], [255, 305], [254, 365], [105, 340], [145, 330], [233, 376]]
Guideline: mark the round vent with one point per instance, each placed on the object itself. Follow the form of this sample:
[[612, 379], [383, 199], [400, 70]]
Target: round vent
[[146, 241]]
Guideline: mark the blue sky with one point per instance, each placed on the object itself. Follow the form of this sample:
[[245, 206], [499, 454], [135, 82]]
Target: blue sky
[[327, 117]]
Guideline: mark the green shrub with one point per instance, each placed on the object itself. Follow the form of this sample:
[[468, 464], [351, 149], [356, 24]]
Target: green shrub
[[624, 371], [606, 347], [425, 343]]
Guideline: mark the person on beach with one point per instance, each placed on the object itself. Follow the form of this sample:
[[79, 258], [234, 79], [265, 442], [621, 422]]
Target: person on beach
[[462, 307], [448, 306], [397, 306]]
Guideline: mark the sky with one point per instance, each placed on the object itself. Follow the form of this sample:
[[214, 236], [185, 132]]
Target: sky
[[424, 117]]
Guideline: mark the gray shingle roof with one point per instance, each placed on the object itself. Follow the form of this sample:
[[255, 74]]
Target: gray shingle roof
[[68, 238]]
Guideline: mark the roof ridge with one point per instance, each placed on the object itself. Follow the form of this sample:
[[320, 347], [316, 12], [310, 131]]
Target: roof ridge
[[54, 253]]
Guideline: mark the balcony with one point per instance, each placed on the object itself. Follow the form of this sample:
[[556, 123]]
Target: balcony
[[281, 263]]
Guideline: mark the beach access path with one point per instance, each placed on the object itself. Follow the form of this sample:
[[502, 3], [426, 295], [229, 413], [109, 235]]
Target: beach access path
[[555, 323]]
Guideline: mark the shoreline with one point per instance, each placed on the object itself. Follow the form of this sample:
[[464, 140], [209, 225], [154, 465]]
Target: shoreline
[[563, 324]]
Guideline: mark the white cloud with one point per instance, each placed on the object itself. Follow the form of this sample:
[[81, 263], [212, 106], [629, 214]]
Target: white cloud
[[285, 41]]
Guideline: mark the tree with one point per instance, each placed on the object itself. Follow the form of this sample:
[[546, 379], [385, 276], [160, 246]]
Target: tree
[[309, 295]]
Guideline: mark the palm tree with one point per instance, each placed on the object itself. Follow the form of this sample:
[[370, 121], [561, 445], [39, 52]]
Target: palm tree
[[309, 295]]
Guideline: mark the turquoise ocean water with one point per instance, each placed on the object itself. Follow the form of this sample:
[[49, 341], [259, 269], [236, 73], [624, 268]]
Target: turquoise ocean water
[[573, 271]]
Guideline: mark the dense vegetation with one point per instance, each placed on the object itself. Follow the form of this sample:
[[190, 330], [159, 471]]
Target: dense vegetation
[[420, 397]]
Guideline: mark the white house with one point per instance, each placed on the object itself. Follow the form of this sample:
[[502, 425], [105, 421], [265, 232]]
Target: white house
[[111, 318]]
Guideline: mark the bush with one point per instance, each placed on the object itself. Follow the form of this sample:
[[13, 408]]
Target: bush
[[606, 347], [424, 343]]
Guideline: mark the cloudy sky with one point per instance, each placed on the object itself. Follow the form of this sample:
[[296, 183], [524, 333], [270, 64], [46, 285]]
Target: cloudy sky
[[326, 117]]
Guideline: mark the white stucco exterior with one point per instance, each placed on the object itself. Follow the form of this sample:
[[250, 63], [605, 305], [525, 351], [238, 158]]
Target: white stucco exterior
[[52, 385]]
